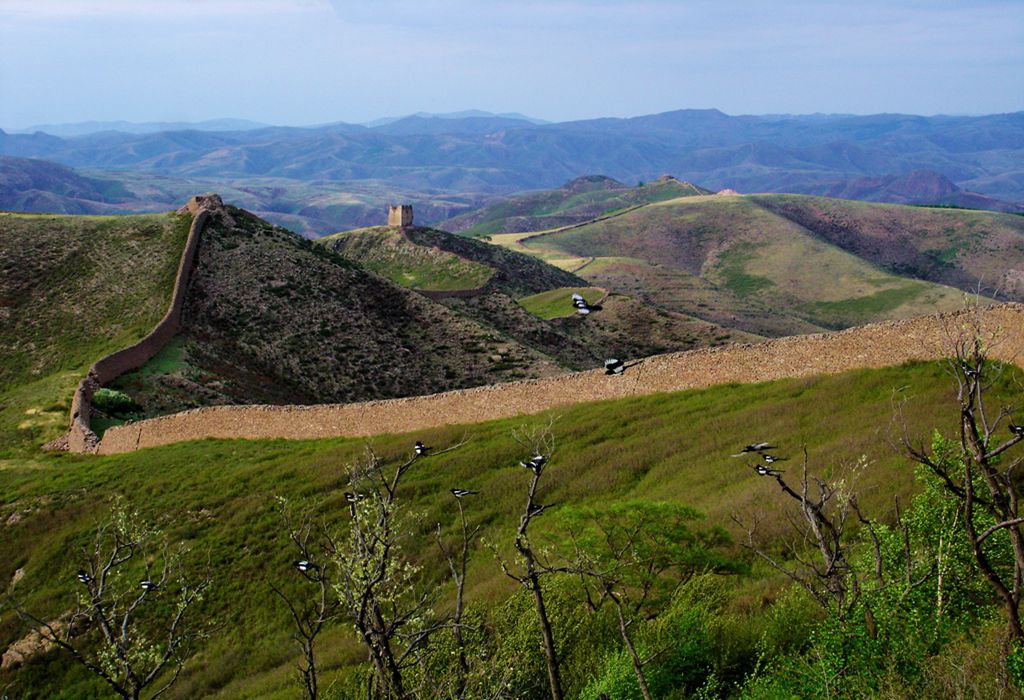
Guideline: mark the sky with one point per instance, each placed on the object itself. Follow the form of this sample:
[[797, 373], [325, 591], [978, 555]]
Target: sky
[[301, 62]]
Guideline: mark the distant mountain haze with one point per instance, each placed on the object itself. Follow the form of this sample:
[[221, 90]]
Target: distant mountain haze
[[503, 154]]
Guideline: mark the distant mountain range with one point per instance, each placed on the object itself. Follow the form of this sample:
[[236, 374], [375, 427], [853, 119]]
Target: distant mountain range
[[503, 154]]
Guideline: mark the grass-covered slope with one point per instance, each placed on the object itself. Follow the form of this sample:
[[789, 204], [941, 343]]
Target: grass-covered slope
[[957, 247], [732, 261], [577, 201], [218, 497], [389, 253], [73, 289]]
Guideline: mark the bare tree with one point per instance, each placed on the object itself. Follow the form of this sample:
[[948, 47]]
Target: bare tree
[[825, 511], [311, 612], [457, 561], [116, 629], [539, 441], [375, 584], [636, 555], [979, 471]]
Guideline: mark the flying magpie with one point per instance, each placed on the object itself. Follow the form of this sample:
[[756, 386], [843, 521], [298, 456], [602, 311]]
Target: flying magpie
[[459, 493]]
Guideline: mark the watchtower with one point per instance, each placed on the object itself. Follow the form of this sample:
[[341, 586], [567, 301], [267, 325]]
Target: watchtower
[[400, 215]]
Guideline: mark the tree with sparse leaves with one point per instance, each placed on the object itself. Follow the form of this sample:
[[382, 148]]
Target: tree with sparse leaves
[[131, 624]]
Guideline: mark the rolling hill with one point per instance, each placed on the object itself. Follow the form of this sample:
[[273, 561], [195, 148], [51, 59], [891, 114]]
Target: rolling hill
[[778, 264], [491, 285], [575, 202]]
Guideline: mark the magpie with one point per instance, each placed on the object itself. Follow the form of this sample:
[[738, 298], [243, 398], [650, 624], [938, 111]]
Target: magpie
[[305, 565], [1017, 429], [536, 464], [83, 576], [147, 585], [354, 497], [420, 448], [755, 447], [583, 310], [459, 493], [535, 509], [614, 366], [969, 371], [576, 296], [765, 471], [772, 459]]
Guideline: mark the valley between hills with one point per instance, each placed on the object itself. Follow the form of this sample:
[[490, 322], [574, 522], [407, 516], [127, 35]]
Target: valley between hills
[[480, 298]]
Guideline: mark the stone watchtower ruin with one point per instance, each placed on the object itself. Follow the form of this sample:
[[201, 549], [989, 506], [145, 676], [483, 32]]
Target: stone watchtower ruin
[[400, 215]]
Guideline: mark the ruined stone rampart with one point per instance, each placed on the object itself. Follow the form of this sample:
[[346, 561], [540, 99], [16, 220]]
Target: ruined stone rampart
[[873, 346], [81, 438]]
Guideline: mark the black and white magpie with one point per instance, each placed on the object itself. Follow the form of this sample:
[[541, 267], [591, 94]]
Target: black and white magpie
[[536, 464], [765, 471], [583, 310], [969, 372], [354, 497], [459, 493], [304, 565], [614, 366], [147, 585], [1017, 429], [421, 449], [772, 459], [754, 447], [83, 576]]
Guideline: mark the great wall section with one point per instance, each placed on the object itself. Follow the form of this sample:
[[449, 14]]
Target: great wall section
[[872, 346], [80, 437]]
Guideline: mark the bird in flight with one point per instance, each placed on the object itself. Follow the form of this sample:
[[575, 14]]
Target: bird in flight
[[754, 447], [459, 493], [765, 471], [614, 366], [772, 459]]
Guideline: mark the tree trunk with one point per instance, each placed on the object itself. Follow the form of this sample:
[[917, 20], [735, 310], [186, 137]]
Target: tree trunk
[[637, 664], [549, 640]]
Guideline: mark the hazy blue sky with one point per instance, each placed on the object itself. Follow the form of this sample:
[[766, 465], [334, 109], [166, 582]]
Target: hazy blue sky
[[314, 61]]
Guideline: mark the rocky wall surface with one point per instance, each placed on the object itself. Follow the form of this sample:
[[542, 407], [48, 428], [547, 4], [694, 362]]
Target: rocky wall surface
[[873, 346]]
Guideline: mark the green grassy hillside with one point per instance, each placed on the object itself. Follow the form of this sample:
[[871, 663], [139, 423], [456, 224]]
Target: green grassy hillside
[[958, 247], [577, 201], [218, 497], [386, 251], [733, 261], [73, 289]]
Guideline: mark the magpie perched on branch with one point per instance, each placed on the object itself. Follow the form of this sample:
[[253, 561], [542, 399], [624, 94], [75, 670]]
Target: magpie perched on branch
[[147, 585], [1017, 429], [459, 493], [354, 497], [83, 576], [535, 465], [969, 372], [304, 565], [765, 471], [421, 449]]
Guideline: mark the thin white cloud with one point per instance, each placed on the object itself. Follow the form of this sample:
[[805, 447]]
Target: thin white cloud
[[113, 9]]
